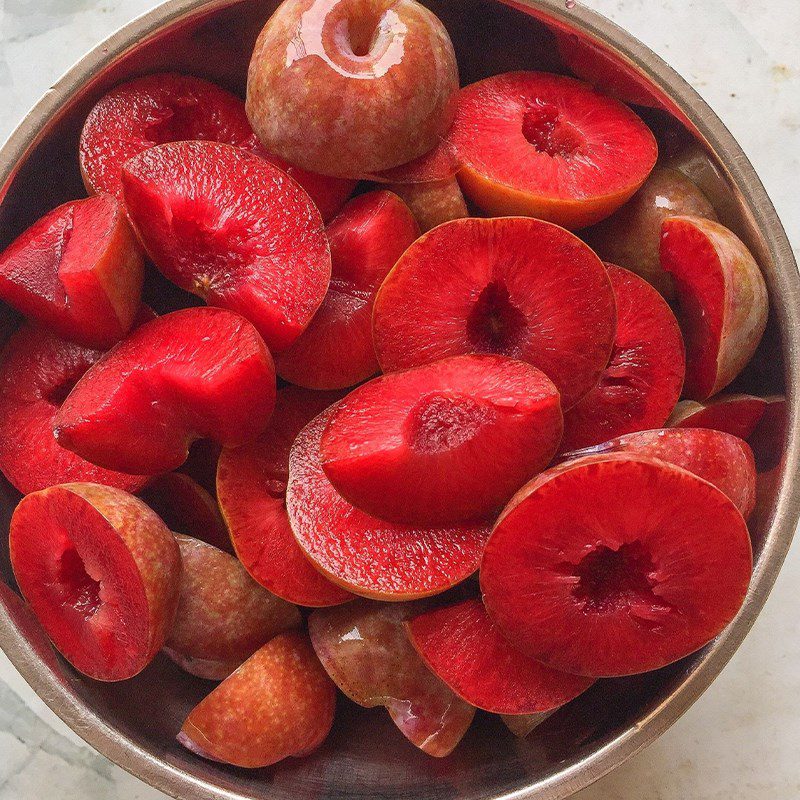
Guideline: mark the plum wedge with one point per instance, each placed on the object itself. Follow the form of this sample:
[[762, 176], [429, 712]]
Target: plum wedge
[[443, 443], [193, 374], [737, 414], [233, 229]]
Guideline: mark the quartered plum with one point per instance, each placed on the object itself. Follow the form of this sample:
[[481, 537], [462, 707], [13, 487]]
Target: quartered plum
[[642, 382], [722, 298], [629, 563], [100, 571], [366, 555], [233, 229], [77, 271], [632, 236], [442, 443], [550, 147], [350, 87], [365, 649], [464, 648], [187, 508], [720, 458], [37, 372], [336, 349], [512, 286], [279, 703], [738, 414], [193, 374], [251, 488], [433, 203], [223, 615]]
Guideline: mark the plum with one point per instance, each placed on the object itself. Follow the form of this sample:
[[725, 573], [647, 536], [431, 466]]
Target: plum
[[433, 203], [737, 414]]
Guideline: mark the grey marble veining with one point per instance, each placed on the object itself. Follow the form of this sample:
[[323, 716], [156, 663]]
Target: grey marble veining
[[742, 738]]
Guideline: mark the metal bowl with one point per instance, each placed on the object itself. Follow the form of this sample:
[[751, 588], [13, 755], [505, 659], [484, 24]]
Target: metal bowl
[[134, 723]]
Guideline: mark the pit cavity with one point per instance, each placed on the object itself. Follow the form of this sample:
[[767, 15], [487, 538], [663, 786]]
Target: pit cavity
[[612, 580], [545, 128], [59, 393], [442, 422], [80, 590], [495, 325], [178, 123]]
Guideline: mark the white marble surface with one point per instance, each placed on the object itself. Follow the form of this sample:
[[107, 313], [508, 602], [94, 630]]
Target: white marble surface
[[741, 740]]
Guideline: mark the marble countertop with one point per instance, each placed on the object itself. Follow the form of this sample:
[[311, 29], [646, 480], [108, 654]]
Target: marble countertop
[[741, 739]]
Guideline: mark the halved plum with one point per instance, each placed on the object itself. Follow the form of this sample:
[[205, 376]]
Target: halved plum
[[737, 414], [722, 297], [251, 488], [616, 564], [279, 703], [718, 457], [642, 382], [513, 286], [365, 649], [187, 508], [433, 203], [193, 374], [366, 239], [100, 571], [37, 372], [463, 647], [78, 271], [548, 146], [364, 554], [223, 615], [233, 229], [445, 442]]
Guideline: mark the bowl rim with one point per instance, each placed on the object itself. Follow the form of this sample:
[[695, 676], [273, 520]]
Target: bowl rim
[[115, 745]]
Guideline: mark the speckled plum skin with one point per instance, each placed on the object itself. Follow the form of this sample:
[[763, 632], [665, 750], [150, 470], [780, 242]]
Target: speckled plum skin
[[349, 87], [433, 203]]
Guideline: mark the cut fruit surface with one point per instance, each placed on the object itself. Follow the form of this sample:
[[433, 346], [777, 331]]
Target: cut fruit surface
[[78, 271], [720, 458], [336, 349], [365, 649], [433, 203], [464, 648], [722, 297], [223, 615], [193, 374], [37, 372], [233, 229], [100, 571], [642, 382], [279, 703], [443, 443], [737, 414], [153, 110], [512, 286], [366, 555], [187, 508], [587, 569], [550, 147], [251, 487]]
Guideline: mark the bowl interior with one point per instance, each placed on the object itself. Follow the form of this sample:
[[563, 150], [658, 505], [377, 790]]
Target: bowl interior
[[365, 756]]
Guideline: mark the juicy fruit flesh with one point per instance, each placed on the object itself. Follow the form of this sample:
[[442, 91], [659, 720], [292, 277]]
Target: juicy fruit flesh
[[445, 442], [233, 229], [608, 589], [366, 555], [642, 382], [516, 287], [196, 373], [553, 139], [77, 270], [105, 597], [279, 703], [336, 349], [737, 414], [251, 486], [463, 647], [37, 372], [365, 649]]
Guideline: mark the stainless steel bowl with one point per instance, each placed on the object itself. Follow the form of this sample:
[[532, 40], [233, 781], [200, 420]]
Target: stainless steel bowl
[[134, 723]]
